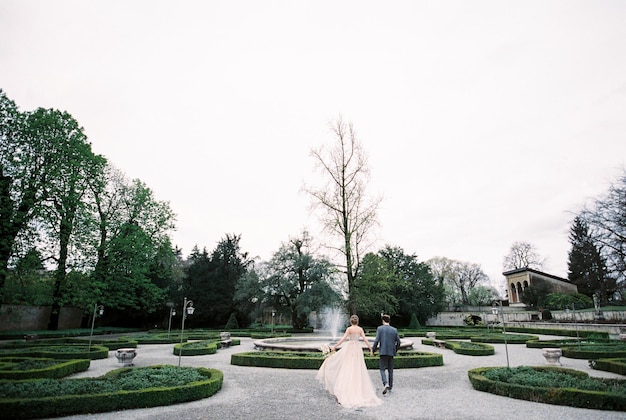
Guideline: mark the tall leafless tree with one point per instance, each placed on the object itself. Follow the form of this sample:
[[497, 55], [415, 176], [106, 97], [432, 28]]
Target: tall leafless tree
[[347, 213], [522, 255]]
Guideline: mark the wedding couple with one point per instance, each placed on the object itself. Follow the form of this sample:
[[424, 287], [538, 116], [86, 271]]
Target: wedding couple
[[344, 373]]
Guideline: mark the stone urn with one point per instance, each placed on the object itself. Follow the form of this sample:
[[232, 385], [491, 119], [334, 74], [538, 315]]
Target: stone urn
[[224, 335], [622, 337], [553, 356], [126, 356], [431, 335]]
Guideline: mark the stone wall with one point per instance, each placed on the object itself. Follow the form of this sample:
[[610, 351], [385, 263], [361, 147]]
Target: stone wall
[[26, 318]]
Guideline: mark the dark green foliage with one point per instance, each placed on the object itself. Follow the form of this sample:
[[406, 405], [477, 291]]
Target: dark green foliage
[[307, 360], [120, 389], [499, 338], [232, 323], [546, 315], [58, 352], [594, 351], [397, 284], [535, 296], [414, 322], [615, 365], [465, 348], [15, 368], [551, 385]]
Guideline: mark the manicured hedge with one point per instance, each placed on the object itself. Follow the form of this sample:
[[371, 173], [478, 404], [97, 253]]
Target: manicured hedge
[[121, 399], [499, 338], [594, 351], [310, 360], [53, 369], [466, 348], [550, 395], [615, 365], [198, 348], [59, 352]]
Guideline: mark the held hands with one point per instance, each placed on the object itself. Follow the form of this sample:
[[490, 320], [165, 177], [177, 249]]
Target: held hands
[[371, 352]]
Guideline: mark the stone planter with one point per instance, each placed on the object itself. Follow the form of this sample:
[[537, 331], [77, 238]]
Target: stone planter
[[553, 356], [224, 335], [431, 335], [126, 356]]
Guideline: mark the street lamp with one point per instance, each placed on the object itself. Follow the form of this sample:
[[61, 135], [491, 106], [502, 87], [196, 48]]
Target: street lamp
[[273, 315], [187, 309], [495, 310], [97, 310], [172, 313]]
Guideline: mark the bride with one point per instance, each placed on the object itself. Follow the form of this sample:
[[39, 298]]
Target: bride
[[344, 373]]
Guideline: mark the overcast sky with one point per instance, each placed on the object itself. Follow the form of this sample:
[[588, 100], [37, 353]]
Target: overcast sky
[[485, 122]]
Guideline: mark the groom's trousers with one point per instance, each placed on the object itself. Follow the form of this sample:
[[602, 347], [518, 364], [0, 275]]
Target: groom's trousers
[[385, 363]]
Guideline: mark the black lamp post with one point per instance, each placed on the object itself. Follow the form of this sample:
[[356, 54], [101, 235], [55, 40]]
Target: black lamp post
[[495, 310], [97, 310], [187, 309], [172, 313]]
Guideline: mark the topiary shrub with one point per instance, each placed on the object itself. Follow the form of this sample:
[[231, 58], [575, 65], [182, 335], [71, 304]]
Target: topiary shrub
[[414, 323], [546, 315], [232, 323]]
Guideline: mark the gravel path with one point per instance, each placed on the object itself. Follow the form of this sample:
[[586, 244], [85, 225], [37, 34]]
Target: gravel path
[[427, 393]]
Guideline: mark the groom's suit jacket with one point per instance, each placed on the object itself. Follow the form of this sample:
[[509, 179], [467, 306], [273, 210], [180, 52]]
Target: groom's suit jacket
[[388, 339]]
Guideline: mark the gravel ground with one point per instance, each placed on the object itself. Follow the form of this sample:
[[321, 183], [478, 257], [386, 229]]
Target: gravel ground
[[442, 392]]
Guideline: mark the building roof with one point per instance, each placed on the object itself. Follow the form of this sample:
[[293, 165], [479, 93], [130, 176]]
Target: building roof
[[531, 270]]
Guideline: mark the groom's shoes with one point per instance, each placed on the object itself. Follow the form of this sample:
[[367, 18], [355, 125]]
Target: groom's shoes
[[385, 390]]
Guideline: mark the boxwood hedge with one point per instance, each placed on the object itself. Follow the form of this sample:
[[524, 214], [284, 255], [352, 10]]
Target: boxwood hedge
[[313, 360], [121, 389], [542, 384], [16, 368]]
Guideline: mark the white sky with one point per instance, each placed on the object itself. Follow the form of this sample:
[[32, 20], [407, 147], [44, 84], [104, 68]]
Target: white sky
[[485, 122]]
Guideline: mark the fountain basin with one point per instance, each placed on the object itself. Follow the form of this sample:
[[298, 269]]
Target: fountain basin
[[311, 343]]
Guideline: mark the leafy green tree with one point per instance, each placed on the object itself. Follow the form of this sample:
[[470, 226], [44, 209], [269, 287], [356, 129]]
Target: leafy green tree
[[70, 164], [297, 281], [563, 300], [482, 296], [535, 296], [400, 285]]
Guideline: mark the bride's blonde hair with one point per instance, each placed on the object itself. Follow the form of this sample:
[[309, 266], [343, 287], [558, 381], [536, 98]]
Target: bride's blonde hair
[[354, 320]]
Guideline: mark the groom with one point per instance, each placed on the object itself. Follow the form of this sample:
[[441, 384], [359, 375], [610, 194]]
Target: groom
[[389, 340]]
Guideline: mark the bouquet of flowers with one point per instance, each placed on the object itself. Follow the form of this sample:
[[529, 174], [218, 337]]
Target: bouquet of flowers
[[326, 351]]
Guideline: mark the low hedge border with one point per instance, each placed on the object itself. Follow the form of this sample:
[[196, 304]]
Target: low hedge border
[[465, 348], [499, 338], [65, 405], [591, 351], [556, 396], [310, 360], [615, 365], [199, 348], [60, 369], [58, 352]]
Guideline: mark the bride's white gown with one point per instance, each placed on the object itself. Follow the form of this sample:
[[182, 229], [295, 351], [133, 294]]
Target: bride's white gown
[[344, 375]]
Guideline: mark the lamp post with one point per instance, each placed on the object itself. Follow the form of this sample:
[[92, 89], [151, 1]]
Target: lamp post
[[273, 315], [172, 313], [187, 309], [495, 310], [97, 310]]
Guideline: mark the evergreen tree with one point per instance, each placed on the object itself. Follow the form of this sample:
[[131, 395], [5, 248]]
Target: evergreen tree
[[587, 266]]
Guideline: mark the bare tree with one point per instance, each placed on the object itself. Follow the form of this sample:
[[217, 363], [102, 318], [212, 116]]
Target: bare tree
[[522, 255], [347, 213], [459, 277]]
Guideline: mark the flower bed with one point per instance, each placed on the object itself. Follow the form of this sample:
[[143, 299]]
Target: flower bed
[[551, 385]]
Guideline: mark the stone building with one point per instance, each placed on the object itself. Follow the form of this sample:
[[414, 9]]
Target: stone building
[[518, 280]]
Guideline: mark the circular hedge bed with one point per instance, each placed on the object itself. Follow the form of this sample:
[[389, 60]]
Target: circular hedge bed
[[15, 368], [499, 338], [120, 389], [311, 360], [551, 385]]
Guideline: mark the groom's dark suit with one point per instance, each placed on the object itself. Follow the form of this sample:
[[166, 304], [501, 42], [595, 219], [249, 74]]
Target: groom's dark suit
[[389, 340]]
